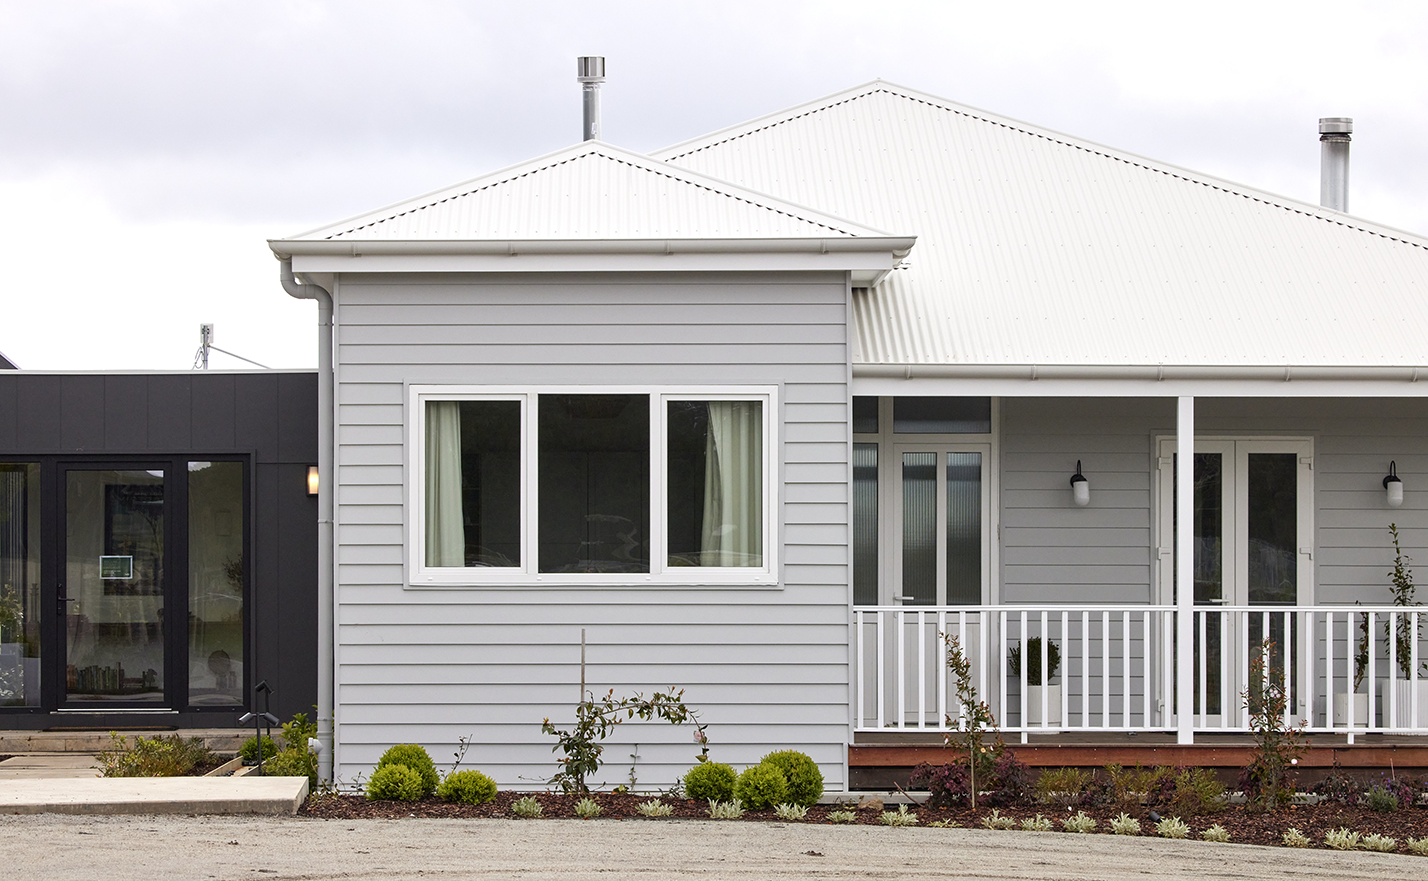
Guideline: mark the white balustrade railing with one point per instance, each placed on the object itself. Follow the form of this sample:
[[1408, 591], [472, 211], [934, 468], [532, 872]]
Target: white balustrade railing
[[1345, 667]]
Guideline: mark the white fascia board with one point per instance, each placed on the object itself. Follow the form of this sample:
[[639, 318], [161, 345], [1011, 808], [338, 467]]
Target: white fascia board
[[868, 259], [1140, 381]]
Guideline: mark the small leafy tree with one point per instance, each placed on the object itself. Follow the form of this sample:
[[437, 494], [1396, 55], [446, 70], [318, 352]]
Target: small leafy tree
[[974, 720], [581, 747], [1268, 779], [1404, 594]]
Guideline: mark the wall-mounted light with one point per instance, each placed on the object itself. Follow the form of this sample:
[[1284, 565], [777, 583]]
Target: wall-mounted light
[[1080, 487], [312, 480], [1393, 486]]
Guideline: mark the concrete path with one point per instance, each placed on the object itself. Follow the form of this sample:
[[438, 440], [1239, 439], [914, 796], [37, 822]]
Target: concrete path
[[65, 765], [153, 795], [51, 848]]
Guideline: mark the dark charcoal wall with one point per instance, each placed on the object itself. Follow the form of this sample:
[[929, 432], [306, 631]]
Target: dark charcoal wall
[[272, 416]]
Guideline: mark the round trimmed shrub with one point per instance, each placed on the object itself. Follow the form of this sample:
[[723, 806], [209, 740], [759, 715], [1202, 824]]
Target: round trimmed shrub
[[467, 787], [805, 781], [708, 780], [293, 763], [761, 787], [249, 749], [414, 757], [395, 783]]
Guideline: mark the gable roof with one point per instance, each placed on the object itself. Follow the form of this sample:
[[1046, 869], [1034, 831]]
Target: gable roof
[[591, 191], [1036, 247], [6, 363]]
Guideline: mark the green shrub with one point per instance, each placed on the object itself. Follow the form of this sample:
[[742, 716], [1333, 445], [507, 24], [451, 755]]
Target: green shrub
[[1381, 799], [805, 781], [1062, 785], [395, 783], [467, 787], [526, 807], [761, 787], [414, 757], [293, 762], [249, 749], [708, 780], [170, 756]]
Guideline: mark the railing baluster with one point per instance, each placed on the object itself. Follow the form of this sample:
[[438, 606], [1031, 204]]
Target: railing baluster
[[1066, 679], [1415, 719], [1025, 676], [1202, 692], [1085, 669], [921, 668], [1145, 618], [1045, 667], [941, 670], [1372, 676], [1001, 668], [1125, 669], [858, 669], [1392, 718], [1105, 669], [901, 668], [882, 674], [1328, 669], [1243, 711], [1288, 668]]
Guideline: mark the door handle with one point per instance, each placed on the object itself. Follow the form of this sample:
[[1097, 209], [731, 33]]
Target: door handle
[[62, 608]]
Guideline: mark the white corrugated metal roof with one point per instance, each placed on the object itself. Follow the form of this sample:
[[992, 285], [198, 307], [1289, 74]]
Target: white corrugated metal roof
[[590, 191], [1039, 248]]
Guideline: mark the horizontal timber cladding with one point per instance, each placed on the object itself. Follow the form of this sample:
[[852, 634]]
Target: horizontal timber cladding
[[1054, 552], [765, 667]]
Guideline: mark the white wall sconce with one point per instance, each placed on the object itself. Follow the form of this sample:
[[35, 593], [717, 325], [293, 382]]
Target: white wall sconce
[[1081, 487], [312, 480], [1393, 486]]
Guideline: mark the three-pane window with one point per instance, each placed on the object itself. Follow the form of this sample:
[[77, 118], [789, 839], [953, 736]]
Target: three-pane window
[[554, 485]]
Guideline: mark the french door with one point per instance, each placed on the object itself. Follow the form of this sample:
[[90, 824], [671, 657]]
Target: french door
[[940, 511], [1253, 546]]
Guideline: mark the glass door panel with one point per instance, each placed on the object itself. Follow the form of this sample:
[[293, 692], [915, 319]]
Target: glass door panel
[[943, 506], [19, 584], [215, 583], [1272, 522], [919, 529], [964, 528], [112, 587]]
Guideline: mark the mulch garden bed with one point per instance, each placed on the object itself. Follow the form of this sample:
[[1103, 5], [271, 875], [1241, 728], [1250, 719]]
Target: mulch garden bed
[[1245, 827]]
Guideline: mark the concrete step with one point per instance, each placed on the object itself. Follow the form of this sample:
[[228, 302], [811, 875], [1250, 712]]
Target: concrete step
[[15, 743], [54, 765], [154, 795]]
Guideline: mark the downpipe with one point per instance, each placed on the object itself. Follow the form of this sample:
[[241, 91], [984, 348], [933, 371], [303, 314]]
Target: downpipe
[[326, 490]]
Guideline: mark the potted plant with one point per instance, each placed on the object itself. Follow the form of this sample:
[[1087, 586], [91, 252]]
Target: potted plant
[[1404, 636], [1035, 682]]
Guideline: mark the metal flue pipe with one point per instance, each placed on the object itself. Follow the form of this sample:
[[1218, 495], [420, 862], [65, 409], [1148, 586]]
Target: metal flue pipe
[[1335, 132], [590, 71]]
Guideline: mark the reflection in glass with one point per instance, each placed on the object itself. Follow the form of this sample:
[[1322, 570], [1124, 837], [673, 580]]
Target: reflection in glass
[[1273, 520], [473, 483], [865, 414], [942, 415], [114, 581], [19, 584], [215, 583], [715, 483], [865, 524], [1209, 568], [964, 528], [594, 494], [919, 528]]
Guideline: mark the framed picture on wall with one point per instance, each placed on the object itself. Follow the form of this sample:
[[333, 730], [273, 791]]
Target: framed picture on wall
[[134, 528]]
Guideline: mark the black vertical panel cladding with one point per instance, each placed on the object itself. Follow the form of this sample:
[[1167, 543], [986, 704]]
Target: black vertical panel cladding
[[126, 411], [256, 406], [213, 417], [170, 403], [82, 413], [271, 415], [9, 410], [38, 410]]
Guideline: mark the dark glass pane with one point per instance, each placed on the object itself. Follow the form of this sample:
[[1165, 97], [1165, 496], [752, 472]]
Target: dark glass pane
[[715, 514], [114, 579], [594, 483], [473, 483], [19, 585], [942, 415], [919, 528], [215, 583], [865, 524], [865, 414], [1273, 521], [964, 528]]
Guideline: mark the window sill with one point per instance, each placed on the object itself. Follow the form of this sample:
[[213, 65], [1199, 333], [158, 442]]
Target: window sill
[[765, 582]]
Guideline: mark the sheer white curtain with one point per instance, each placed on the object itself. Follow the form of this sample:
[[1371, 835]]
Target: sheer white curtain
[[445, 531], [733, 485]]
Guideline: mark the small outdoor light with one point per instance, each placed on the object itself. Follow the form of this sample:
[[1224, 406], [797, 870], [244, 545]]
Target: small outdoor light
[[312, 480], [1393, 486], [1080, 487]]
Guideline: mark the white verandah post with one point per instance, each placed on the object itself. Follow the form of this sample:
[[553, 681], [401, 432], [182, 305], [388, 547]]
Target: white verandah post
[[1185, 568]]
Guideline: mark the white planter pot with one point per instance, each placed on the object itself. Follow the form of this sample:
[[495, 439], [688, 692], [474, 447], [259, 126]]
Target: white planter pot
[[1032, 705], [1341, 711], [1403, 715]]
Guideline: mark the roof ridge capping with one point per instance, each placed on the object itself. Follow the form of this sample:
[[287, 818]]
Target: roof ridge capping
[[586, 150], [674, 152]]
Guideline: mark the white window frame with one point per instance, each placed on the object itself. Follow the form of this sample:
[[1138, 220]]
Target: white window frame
[[661, 574]]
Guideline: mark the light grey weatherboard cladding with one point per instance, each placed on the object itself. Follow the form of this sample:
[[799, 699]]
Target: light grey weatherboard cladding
[[765, 667], [1054, 552]]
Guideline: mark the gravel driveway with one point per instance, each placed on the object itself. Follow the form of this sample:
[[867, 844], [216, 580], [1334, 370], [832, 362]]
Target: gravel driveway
[[45, 847]]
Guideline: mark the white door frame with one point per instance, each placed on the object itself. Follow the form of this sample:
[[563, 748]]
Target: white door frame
[[890, 589]]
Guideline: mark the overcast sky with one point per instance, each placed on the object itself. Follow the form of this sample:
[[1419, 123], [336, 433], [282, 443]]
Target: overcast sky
[[148, 149]]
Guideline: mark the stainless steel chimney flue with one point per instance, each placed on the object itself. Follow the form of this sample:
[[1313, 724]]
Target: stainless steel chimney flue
[[1334, 135], [590, 71]]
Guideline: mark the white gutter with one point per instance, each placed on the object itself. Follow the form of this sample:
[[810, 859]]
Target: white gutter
[[897, 246], [1144, 372], [327, 487]]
